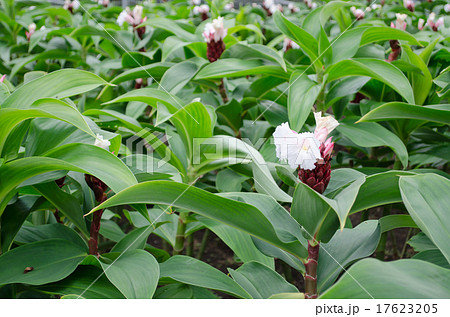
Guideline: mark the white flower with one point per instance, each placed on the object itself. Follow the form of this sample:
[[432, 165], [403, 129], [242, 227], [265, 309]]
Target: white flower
[[214, 31], [196, 2], [131, 17], [203, 9], [100, 142], [66, 4], [268, 3], [324, 126], [293, 8], [400, 23], [409, 4], [447, 8], [75, 4], [358, 13], [229, 6], [440, 22], [125, 16], [137, 14], [421, 23], [32, 28], [297, 149], [375, 6], [273, 8], [288, 44], [310, 4]]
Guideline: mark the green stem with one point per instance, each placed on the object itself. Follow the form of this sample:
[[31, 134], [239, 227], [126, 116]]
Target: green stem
[[381, 248], [311, 269], [203, 244], [181, 230], [397, 164], [190, 245], [365, 215], [223, 91], [320, 101], [402, 254]]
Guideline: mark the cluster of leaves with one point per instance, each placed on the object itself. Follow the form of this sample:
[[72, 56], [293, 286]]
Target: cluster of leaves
[[78, 77]]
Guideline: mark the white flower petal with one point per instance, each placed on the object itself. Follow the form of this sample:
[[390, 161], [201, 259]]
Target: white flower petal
[[100, 142]]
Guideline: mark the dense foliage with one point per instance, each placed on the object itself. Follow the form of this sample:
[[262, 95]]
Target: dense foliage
[[129, 139]]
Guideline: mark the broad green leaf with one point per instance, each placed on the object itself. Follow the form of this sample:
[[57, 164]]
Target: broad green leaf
[[379, 189], [254, 51], [30, 234], [156, 71], [344, 248], [347, 44], [134, 240], [420, 242], [48, 54], [303, 93], [228, 180], [51, 260], [384, 33], [176, 77], [371, 134], [59, 84], [195, 272], [391, 222], [376, 69], [397, 279], [67, 204], [135, 274], [426, 198], [421, 83], [288, 296], [83, 158], [433, 256], [236, 214], [306, 41], [400, 110], [86, 282], [13, 218], [249, 27], [310, 208], [241, 243], [346, 86], [171, 26], [183, 291], [260, 281], [221, 151], [44, 108], [233, 67]]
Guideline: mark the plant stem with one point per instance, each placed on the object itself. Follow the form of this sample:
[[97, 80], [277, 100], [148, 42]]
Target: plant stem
[[223, 91], [181, 230], [365, 215], [95, 228], [320, 101], [190, 245], [397, 163], [311, 269], [402, 254], [203, 244], [381, 248]]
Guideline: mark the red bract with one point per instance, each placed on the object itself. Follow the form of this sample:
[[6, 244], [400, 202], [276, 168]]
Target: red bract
[[319, 177]]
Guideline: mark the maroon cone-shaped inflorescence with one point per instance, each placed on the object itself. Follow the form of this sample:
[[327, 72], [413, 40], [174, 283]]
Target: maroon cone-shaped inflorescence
[[97, 186], [319, 177], [215, 50]]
